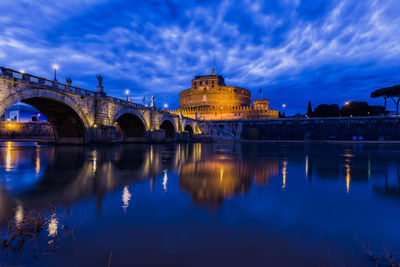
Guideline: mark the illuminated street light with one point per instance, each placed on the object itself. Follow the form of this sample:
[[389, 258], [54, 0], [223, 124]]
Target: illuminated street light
[[127, 94], [284, 106], [347, 103], [165, 105], [55, 67]]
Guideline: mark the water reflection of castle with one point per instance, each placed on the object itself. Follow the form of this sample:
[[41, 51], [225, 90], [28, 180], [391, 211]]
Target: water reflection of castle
[[211, 181], [209, 173]]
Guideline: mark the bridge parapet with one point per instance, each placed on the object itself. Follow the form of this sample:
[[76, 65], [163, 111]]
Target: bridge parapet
[[40, 82], [82, 116], [44, 83]]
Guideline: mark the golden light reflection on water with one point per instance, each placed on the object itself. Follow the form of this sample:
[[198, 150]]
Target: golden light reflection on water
[[37, 168], [284, 163], [126, 197], [151, 154], [53, 226], [8, 156], [210, 182], [348, 178], [165, 181], [19, 214], [94, 159]]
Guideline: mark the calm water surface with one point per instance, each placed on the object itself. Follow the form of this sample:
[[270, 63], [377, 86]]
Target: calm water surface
[[218, 204]]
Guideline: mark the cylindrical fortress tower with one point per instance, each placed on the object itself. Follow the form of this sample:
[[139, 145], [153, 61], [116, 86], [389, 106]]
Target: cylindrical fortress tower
[[210, 91], [210, 98]]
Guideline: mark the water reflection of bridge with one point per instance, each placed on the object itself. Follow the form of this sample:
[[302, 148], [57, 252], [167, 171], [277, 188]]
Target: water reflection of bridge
[[209, 173]]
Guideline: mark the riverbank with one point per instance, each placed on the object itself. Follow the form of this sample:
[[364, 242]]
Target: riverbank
[[352, 129]]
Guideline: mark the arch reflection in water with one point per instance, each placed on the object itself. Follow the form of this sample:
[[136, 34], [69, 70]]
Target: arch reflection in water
[[66, 175], [210, 173]]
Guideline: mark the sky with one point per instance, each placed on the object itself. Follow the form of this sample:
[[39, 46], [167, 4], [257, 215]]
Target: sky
[[297, 51]]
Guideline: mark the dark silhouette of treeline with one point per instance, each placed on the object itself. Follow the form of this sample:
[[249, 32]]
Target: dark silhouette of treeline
[[350, 109]]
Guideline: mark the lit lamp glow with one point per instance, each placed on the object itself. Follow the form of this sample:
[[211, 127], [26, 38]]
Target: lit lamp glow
[[165, 105], [127, 94], [55, 67]]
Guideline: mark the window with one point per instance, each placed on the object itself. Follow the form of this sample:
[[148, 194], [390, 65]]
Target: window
[[212, 82], [206, 82], [212, 85]]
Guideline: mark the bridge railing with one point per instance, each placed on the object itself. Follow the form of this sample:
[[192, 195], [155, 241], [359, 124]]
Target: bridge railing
[[42, 82], [126, 103], [55, 85]]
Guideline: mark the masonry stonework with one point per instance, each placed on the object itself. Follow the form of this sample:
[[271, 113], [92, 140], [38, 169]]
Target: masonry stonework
[[80, 116]]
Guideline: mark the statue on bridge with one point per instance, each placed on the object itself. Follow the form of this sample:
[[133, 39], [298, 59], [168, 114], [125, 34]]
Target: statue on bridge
[[68, 80], [100, 80], [153, 104], [100, 88]]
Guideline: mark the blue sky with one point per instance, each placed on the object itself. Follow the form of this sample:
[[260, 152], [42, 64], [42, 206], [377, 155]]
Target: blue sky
[[318, 50]]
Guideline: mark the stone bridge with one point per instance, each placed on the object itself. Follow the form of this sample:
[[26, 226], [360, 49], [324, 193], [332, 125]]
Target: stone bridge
[[80, 116]]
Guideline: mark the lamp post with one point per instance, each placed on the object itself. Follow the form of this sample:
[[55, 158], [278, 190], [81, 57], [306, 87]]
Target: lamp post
[[165, 105], [127, 94], [283, 110], [55, 67]]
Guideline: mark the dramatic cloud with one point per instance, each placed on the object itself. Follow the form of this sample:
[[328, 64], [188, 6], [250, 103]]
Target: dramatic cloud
[[318, 50]]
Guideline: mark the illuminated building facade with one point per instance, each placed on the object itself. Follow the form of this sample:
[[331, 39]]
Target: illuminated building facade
[[210, 98]]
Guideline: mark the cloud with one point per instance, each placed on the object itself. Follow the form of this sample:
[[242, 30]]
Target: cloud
[[323, 51]]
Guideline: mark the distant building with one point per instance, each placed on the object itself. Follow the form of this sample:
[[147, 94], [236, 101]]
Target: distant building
[[210, 98], [23, 113]]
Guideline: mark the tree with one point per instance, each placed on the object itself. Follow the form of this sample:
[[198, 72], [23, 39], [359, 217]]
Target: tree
[[355, 108], [309, 109], [325, 110], [379, 93], [389, 92], [359, 108]]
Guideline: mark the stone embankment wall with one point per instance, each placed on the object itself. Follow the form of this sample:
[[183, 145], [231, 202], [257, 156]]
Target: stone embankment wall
[[26, 130], [356, 128]]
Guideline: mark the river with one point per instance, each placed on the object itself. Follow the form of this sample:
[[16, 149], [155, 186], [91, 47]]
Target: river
[[221, 204]]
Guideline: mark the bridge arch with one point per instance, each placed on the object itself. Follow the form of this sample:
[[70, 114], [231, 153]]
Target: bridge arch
[[68, 121], [169, 127], [189, 128], [131, 127]]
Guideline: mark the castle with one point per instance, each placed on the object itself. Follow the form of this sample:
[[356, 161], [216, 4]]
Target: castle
[[210, 98]]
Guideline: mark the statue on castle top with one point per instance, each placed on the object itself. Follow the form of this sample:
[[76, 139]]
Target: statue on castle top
[[212, 71], [153, 105]]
